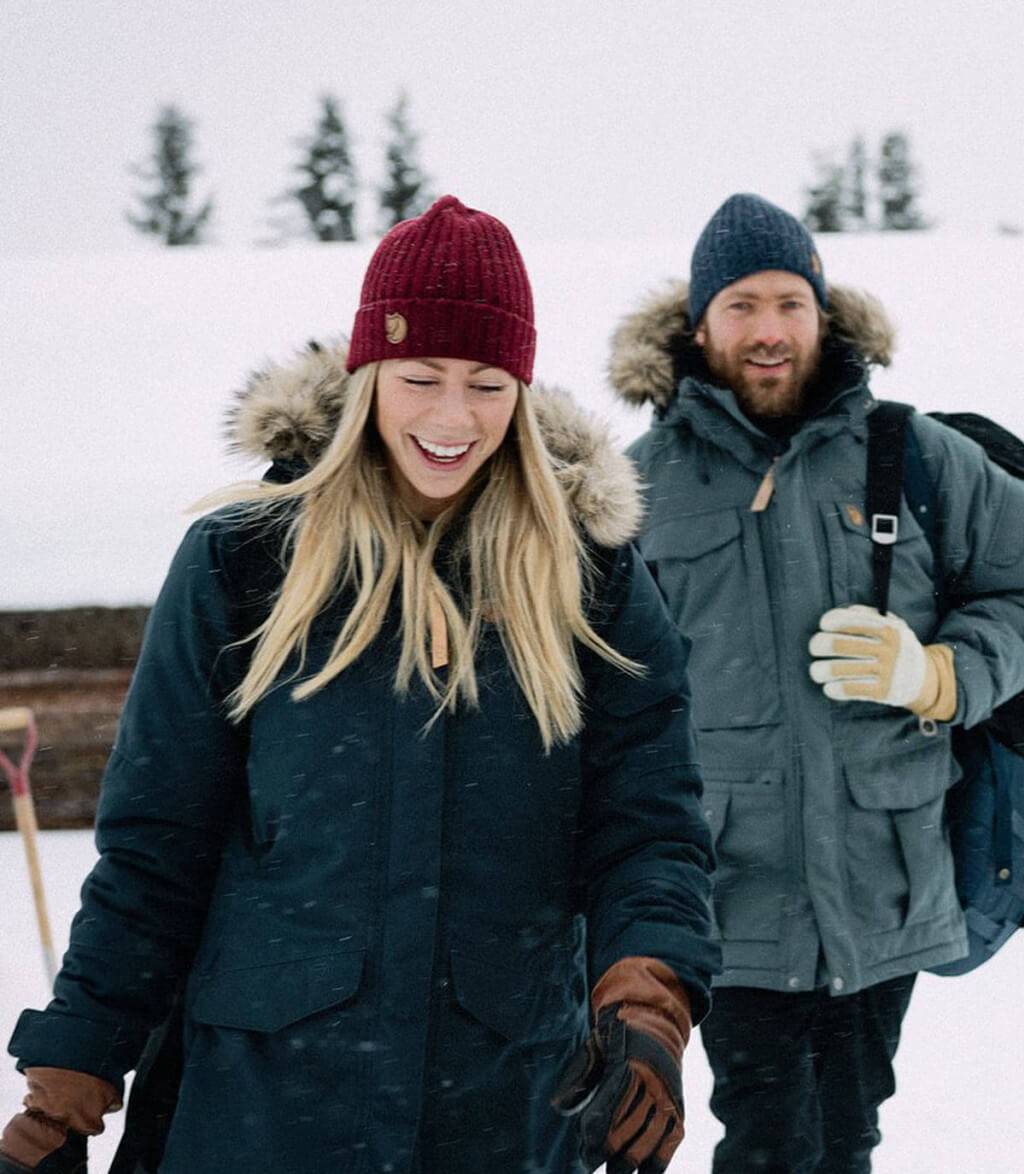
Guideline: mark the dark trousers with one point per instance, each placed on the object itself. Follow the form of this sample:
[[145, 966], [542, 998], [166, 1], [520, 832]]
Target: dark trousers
[[799, 1078]]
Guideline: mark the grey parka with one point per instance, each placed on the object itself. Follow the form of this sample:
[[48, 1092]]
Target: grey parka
[[833, 856]]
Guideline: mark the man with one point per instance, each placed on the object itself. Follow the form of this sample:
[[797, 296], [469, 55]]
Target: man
[[823, 727]]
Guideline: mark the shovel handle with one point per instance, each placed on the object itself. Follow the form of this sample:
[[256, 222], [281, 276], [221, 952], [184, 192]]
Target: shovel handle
[[14, 718], [25, 815]]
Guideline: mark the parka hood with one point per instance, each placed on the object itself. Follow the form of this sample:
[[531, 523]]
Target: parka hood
[[653, 347], [289, 412]]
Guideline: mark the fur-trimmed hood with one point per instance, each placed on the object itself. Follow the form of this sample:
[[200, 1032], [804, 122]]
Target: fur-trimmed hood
[[289, 413], [650, 346]]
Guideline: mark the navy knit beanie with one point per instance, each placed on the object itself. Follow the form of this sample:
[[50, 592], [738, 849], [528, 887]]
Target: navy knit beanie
[[748, 235]]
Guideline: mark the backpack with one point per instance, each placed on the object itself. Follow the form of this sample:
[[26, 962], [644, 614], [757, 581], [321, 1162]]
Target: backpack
[[985, 808]]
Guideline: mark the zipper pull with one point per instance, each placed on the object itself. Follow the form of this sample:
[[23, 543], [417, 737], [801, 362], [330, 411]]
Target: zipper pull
[[764, 490]]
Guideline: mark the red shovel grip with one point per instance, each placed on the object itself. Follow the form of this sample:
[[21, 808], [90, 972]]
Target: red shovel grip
[[19, 718]]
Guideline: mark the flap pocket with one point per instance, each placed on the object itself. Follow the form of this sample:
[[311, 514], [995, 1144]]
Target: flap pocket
[[517, 1003], [691, 536], [765, 777], [721, 784], [268, 998], [744, 807], [901, 782]]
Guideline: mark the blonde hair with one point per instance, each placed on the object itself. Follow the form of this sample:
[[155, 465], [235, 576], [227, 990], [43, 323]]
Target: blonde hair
[[528, 570]]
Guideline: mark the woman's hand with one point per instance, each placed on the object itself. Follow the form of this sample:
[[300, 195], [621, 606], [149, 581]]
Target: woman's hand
[[58, 1099], [625, 1084]]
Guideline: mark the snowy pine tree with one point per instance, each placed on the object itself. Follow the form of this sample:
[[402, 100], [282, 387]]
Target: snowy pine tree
[[327, 193], [824, 208], [165, 210], [405, 193], [855, 197], [897, 193]]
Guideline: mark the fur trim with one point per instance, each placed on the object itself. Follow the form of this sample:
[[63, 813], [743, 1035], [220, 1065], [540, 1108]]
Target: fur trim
[[642, 364], [859, 319], [290, 412], [600, 482]]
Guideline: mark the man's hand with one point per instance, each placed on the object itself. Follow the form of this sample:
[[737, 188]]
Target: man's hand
[[862, 655], [625, 1083], [57, 1100]]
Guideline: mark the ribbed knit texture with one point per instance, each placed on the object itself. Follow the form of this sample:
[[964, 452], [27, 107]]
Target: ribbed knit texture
[[748, 235], [455, 277]]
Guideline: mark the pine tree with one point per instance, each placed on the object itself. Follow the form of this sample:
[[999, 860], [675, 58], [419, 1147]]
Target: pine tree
[[897, 193], [165, 211], [327, 193], [824, 209], [405, 193], [855, 198]]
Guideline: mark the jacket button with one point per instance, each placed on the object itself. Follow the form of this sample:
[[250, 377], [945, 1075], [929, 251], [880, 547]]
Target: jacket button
[[838, 984], [793, 982]]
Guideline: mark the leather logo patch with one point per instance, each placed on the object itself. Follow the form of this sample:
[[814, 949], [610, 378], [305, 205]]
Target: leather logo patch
[[855, 516], [396, 328], [815, 264]]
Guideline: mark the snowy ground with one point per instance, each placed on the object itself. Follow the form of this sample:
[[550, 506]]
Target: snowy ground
[[956, 1111]]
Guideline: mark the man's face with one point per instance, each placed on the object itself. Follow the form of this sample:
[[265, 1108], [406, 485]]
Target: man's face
[[761, 337]]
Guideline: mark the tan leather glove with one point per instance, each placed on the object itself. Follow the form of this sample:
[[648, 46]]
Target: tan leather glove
[[58, 1099], [861, 655], [625, 1084]]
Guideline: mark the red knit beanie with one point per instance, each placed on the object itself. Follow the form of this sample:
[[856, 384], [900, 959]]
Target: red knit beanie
[[449, 284]]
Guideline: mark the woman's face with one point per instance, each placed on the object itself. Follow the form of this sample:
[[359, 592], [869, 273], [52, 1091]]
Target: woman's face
[[440, 420]]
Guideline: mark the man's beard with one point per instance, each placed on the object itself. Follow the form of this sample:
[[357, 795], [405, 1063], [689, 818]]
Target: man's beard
[[766, 394]]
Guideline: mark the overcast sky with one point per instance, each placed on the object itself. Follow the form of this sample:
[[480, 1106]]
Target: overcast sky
[[566, 118]]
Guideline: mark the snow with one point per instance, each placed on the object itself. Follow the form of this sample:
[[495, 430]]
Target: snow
[[117, 369], [956, 1108], [116, 372]]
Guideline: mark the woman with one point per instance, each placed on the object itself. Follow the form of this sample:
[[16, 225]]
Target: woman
[[408, 717]]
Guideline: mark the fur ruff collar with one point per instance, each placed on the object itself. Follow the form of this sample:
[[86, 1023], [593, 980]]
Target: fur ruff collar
[[649, 344], [289, 413]]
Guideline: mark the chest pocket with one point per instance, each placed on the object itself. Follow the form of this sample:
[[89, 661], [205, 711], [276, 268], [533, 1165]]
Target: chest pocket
[[315, 766], [912, 586], [710, 569]]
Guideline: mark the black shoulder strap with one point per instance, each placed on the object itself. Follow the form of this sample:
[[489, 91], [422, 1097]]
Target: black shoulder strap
[[886, 446], [896, 464]]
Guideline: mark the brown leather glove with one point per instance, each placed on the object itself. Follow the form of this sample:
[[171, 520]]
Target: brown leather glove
[[625, 1084], [57, 1100]]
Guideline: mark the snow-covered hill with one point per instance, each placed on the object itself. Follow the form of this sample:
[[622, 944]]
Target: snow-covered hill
[[115, 371]]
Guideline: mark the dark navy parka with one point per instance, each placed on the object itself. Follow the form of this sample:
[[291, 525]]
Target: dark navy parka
[[384, 936]]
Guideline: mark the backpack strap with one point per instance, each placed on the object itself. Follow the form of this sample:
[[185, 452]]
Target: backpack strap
[[886, 447], [896, 467], [923, 502]]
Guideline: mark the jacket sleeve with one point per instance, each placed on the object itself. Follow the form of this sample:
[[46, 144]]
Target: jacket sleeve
[[175, 771], [981, 544], [645, 856]]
